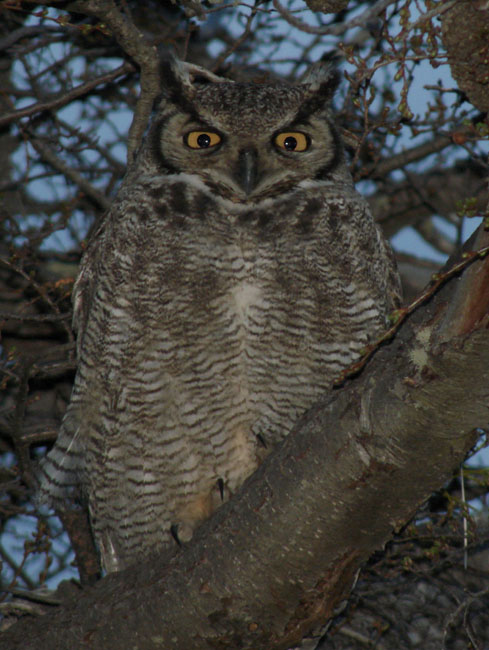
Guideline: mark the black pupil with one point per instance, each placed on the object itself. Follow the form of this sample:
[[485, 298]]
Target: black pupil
[[290, 143], [203, 140]]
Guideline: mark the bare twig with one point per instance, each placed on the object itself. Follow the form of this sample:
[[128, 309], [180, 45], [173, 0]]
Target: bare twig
[[380, 170], [134, 43], [50, 157], [36, 596], [337, 28], [400, 315], [24, 32], [66, 97], [433, 236], [441, 8], [42, 294], [464, 606], [236, 43], [361, 638]]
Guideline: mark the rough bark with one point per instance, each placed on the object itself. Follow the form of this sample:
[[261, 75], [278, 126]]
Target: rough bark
[[279, 557]]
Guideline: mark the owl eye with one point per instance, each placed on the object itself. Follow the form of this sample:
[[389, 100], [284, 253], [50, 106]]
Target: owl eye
[[202, 139], [292, 141]]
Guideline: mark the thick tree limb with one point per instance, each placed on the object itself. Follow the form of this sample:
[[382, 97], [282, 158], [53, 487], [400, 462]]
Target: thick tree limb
[[276, 560]]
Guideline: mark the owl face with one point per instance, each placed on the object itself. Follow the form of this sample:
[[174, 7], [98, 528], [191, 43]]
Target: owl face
[[246, 142]]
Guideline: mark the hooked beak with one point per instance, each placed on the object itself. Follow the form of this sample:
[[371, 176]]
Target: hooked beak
[[247, 170]]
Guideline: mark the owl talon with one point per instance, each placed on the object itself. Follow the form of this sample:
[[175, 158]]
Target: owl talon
[[220, 485], [261, 440], [174, 534]]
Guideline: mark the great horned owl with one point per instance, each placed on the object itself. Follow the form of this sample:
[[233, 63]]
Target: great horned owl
[[235, 275]]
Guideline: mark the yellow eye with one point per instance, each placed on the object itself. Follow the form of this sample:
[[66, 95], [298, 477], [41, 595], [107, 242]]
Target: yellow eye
[[202, 139], [292, 141]]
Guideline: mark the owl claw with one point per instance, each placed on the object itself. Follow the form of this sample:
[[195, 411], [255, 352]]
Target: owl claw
[[261, 440], [174, 534], [220, 485]]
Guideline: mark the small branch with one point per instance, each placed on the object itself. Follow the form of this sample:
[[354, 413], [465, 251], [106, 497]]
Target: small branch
[[42, 293], [77, 525], [465, 605], [39, 318], [441, 8], [63, 168], [235, 44], [35, 596], [19, 571], [66, 97], [421, 151], [361, 638], [24, 32], [135, 44], [400, 315], [335, 29], [433, 236]]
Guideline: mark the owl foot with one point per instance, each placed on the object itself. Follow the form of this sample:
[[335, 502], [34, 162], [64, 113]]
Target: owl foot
[[261, 440], [220, 485], [174, 534]]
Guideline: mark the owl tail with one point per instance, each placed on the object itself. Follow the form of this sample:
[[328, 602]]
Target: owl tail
[[59, 473]]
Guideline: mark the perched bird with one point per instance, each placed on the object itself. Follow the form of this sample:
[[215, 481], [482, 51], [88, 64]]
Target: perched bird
[[235, 275]]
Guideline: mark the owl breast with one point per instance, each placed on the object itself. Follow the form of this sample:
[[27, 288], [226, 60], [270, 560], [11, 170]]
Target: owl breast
[[235, 325]]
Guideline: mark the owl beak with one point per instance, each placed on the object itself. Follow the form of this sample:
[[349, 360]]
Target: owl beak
[[247, 170]]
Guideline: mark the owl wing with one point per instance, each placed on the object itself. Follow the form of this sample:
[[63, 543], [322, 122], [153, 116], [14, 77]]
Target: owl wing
[[83, 289], [58, 474]]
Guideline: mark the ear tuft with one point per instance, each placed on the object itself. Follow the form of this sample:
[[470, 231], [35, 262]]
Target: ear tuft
[[322, 78], [180, 79]]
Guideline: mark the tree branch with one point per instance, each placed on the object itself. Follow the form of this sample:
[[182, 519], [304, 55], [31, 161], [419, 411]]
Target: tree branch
[[134, 43], [337, 28], [66, 97], [75, 177]]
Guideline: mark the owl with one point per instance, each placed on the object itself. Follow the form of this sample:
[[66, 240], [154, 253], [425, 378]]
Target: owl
[[235, 275]]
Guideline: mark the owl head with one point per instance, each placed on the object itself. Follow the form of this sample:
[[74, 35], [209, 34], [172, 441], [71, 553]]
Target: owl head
[[246, 141]]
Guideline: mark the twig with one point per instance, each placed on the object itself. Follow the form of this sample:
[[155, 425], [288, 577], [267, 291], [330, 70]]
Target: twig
[[356, 636], [380, 170], [39, 318], [236, 43], [42, 293], [135, 44], [66, 97], [400, 315], [336, 29], [23, 32], [466, 538], [465, 604], [17, 569], [50, 157], [441, 8], [36, 596], [114, 163]]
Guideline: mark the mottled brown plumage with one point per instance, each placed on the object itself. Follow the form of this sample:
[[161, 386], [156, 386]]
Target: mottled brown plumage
[[236, 273]]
